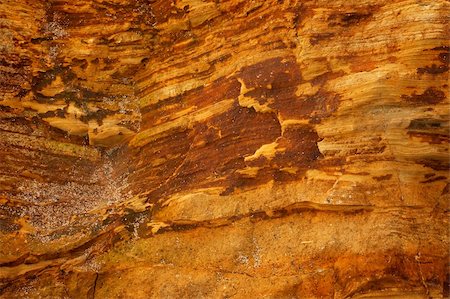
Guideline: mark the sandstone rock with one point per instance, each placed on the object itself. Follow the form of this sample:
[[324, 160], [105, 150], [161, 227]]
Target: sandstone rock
[[215, 149]]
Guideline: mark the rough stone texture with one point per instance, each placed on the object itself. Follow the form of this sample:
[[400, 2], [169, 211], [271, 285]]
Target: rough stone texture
[[216, 149]]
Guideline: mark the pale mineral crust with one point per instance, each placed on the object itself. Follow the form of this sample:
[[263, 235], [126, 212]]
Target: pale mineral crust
[[218, 149]]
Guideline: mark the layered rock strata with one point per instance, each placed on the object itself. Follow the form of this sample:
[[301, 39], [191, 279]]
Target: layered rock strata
[[216, 149]]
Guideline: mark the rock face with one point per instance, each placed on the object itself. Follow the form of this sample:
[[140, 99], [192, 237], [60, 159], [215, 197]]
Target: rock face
[[215, 149]]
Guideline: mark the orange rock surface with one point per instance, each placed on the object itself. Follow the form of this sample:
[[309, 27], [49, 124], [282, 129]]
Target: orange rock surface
[[218, 149]]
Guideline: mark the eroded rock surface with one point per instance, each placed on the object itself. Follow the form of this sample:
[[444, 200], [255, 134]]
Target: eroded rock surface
[[215, 149]]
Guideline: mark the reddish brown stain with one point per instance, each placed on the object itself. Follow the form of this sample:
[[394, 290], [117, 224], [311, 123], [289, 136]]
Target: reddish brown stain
[[208, 154], [275, 81], [43, 79], [434, 179], [442, 48], [198, 98], [431, 96], [241, 182], [431, 138], [135, 222], [434, 164], [8, 226], [300, 152], [242, 132], [421, 124], [348, 19], [444, 57], [301, 147], [433, 69], [279, 72], [385, 177], [363, 65], [446, 189], [392, 59], [358, 173], [446, 285], [315, 107], [428, 130]]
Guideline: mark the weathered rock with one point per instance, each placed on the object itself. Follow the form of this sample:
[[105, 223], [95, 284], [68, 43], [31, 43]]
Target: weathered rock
[[209, 149]]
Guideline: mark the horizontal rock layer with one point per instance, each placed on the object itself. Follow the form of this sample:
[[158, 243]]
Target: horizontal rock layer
[[209, 149]]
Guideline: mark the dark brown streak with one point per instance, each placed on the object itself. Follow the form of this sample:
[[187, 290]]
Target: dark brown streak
[[95, 285], [260, 215]]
